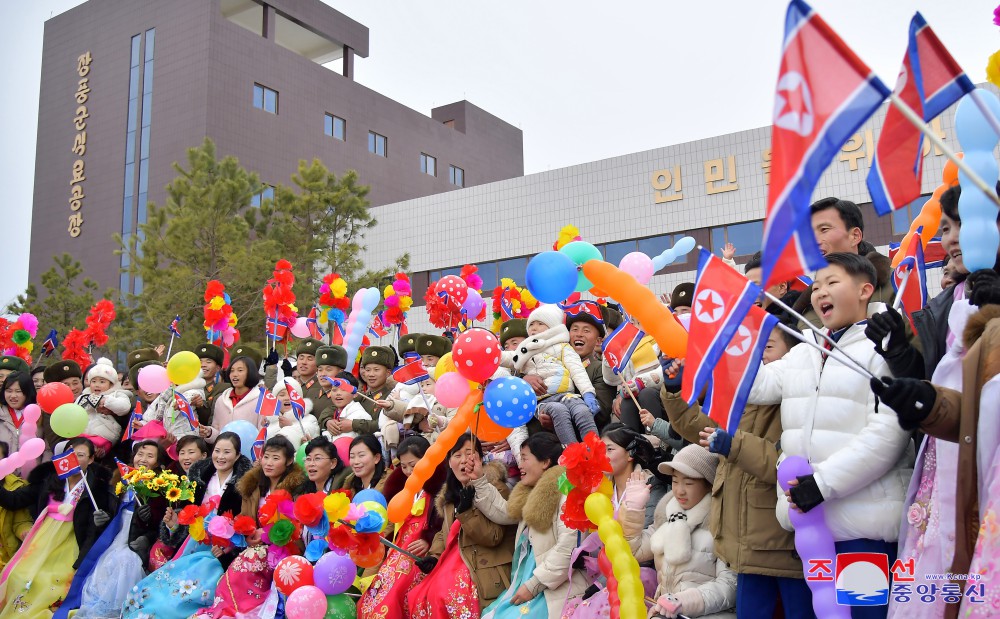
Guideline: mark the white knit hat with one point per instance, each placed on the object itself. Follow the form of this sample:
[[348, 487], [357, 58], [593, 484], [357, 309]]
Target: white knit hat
[[549, 315], [106, 370], [692, 461]]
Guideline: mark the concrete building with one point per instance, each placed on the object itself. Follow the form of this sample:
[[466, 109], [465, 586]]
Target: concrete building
[[270, 82], [713, 189]]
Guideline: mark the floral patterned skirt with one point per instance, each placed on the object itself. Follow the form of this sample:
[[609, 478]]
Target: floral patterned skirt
[[385, 596], [38, 577], [177, 590], [448, 592]]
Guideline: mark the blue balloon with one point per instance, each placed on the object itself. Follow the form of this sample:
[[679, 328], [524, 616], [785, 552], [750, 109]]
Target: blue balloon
[[510, 401], [247, 433], [978, 237], [370, 494], [551, 276]]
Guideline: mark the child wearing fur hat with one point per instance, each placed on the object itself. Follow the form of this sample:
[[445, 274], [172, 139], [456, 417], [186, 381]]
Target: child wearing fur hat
[[546, 353], [286, 424], [691, 579], [103, 399]]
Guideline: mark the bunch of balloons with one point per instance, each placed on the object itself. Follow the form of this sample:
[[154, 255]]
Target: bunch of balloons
[[979, 236], [362, 306], [511, 301], [333, 300], [279, 300], [454, 299], [15, 337], [220, 321], [397, 300], [30, 447]]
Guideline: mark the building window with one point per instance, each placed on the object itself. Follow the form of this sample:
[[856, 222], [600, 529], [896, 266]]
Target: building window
[[428, 164], [614, 252], [335, 126], [746, 237], [902, 218], [378, 144], [258, 198], [456, 176], [656, 245], [265, 99]]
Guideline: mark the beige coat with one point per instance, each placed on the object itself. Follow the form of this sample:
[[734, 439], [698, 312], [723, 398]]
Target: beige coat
[[536, 512]]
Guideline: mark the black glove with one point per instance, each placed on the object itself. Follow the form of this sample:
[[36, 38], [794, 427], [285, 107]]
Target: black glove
[[911, 399], [101, 518], [985, 285], [140, 546], [806, 494], [272, 358], [144, 512], [426, 564], [591, 591], [466, 497], [887, 323], [286, 367]]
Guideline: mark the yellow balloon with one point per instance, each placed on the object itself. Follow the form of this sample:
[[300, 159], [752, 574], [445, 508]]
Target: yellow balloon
[[626, 570], [598, 507], [606, 487], [444, 364], [183, 367]]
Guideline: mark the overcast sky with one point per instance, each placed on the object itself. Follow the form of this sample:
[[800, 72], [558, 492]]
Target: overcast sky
[[584, 80]]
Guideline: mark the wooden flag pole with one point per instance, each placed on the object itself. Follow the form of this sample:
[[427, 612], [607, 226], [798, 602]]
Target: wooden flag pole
[[631, 395], [918, 122]]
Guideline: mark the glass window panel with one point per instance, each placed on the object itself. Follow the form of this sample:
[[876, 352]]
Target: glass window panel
[[381, 144], [488, 271], [141, 208], [339, 128], [138, 286], [147, 109], [718, 239], [328, 124], [614, 252], [460, 177], [130, 147], [127, 216], [435, 275], [135, 50], [513, 268], [255, 200], [123, 281], [147, 77], [451, 271], [258, 97], [133, 107], [133, 81], [144, 144], [371, 142], [432, 166], [451, 174], [423, 163], [901, 221], [143, 175], [270, 101], [150, 43], [268, 193], [746, 237], [129, 181]]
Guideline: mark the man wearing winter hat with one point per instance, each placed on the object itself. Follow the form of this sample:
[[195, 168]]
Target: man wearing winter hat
[[330, 362], [377, 363], [588, 322], [212, 359], [305, 365], [513, 332], [431, 348], [408, 343], [10, 364], [680, 298], [67, 372]]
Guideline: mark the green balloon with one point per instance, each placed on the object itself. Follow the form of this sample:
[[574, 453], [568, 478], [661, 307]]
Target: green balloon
[[300, 455], [580, 252], [69, 420], [340, 606]]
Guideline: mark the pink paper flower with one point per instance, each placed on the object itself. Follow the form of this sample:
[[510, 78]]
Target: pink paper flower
[[220, 527]]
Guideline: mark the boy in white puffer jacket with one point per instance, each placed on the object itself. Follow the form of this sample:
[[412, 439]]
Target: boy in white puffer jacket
[[104, 399], [546, 353], [861, 459], [286, 424]]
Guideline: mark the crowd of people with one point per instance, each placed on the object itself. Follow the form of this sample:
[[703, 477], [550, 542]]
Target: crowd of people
[[902, 465]]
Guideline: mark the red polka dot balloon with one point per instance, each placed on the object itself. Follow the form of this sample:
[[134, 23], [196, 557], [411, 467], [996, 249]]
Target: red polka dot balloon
[[476, 354], [455, 288]]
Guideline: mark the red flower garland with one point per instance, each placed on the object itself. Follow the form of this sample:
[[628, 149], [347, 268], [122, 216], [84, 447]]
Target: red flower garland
[[586, 465]]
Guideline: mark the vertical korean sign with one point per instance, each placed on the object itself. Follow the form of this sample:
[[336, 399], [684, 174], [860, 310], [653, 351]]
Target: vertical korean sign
[[79, 149]]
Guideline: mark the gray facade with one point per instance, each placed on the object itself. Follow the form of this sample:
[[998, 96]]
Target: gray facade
[[193, 74]]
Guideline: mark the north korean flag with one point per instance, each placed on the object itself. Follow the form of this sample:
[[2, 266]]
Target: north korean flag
[[313, 324], [912, 270], [722, 299], [257, 449], [618, 347], [136, 415], [123, 468], [298, 403], [336, 335], [267, 404], [733, 374], [824, 94], [66, 464], [412, 371], [929, 82], [184, 408], [377, 327]]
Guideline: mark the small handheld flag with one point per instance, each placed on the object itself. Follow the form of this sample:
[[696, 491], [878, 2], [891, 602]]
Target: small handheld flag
[[267, 404], [298, 403], [909, 279], [175, 326], [130, 430], [412, 371], [336, 335], [67, 464], [313, 324], [123, 468], [377, 327], [277, 330], [340, 383], [257, 449], [50, 344], [184, 408], [619, 346]]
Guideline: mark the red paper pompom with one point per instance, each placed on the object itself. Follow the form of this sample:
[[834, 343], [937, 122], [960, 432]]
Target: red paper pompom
[[244, 525], [309, 508]]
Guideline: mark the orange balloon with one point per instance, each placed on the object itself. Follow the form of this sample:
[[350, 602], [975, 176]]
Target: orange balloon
[[402, 503], [370, 560], [930, 214], [640, 302], [488, 430]]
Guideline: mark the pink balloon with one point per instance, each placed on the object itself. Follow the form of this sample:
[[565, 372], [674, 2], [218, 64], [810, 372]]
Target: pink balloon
[[153, 379], [32, 413], [307, 602], [301, 327], [451, 389], [7, 466], [639, 266], [28, 431], [343, 445], [33, 448]]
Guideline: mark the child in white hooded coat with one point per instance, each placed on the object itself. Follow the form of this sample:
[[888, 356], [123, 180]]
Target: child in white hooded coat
[[286, 424], [164, 408], [104, 399]]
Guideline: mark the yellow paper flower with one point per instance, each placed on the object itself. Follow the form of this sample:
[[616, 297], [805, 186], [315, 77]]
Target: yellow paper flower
[[529, 301], [119, 488], [173, 495], [293, 308], [232, 320], [197, 530], [216, 303], [388, 292], [336, 506], [338, 288], [993, 69], [405, 303]]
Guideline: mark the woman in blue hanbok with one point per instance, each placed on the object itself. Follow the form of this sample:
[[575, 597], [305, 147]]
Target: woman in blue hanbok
[[187, 583]]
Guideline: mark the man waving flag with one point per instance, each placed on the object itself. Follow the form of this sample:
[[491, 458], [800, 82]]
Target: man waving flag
[[824, 94]]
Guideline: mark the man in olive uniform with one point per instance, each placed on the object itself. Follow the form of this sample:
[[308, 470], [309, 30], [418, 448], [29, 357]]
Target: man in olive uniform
[[377, 363], [408, 343], [431, 348], [212, 359], [330, 362], [513, 332], [305, 365], [10, 364]]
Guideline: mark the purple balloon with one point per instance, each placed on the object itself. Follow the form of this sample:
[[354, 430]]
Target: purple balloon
[[474, 304], [792, 467], [334, 573]]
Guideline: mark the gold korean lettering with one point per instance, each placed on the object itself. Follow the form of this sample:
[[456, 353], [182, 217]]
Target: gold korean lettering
[[720, 171], [667, 185]]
